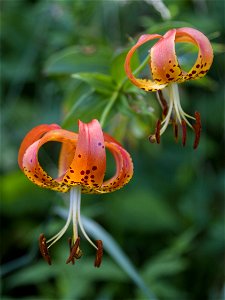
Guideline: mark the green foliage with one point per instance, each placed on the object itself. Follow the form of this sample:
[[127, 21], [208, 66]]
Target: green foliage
[[64, 61]]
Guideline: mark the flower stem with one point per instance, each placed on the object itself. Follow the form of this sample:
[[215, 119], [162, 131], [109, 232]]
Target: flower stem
[[108, 107]]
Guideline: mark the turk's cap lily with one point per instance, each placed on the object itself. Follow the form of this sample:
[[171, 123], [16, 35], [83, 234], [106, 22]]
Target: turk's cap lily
[[163, 61], [82, 167], [167, 72], [82, 160]]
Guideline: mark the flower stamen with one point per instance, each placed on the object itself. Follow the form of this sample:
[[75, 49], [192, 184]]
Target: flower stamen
[[184, 132], [70, 247], [156, 136], [163, 103], [175, 130], [197, 128], [44, 249], [74, 252], [99, 254], [175, 116]]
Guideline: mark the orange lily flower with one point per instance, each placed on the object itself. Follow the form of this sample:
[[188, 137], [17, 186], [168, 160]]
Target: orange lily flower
[[166, 73], [82, 166]]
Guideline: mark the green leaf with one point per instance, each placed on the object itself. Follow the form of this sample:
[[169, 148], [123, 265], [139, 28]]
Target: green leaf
[[119, 256], [149, 214], [81, 108], [170, 261], [72, 60], [114, 250], [117, 66], [99, 82]]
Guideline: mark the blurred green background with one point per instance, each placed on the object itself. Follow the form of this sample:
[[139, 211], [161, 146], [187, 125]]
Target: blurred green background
[[169, 220]]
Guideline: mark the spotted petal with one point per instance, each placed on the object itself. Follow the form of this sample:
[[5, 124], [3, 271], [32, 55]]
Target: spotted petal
[[124, 169], [33, 169], [145, 84], [89, 163], [32, 136], [82, 159], [205, 51], [164, 63]]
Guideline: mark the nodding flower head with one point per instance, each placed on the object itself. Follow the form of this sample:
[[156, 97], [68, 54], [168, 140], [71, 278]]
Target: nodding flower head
[[81, 169], [166, 73]]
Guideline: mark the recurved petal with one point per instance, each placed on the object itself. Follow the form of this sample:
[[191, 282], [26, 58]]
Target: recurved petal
[[124, 169], [32, 136], [35, 173], [164, 64], [145, 84], [66, 157], [108, 138], [89, 163], [205, 51], [33, 169]]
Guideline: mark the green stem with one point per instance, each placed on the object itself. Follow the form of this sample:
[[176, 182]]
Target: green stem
[[108, 107]]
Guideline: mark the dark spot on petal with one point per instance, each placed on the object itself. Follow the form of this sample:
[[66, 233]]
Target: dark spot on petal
[[92, 176], [167, 75], [197, 66], [71, 171], [85, 177], [82, 172], [79, 155], [94, 168], [88, 171]]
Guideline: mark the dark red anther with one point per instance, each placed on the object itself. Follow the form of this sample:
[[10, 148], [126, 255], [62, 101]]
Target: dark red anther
[[163, 103], [197, 128], [73, 251], [175, 130], [156, 137], [184, 132], [99, 254], [70, 247], [44, 249], [157, 131]]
